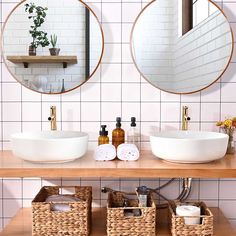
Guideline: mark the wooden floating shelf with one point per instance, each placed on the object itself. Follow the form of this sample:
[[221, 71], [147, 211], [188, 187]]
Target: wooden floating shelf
[[20, 225], [26, 60], [148, 166]]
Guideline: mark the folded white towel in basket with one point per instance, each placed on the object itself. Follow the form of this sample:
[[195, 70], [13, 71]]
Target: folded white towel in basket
[[127, 152], [60, 202], [105, 152]]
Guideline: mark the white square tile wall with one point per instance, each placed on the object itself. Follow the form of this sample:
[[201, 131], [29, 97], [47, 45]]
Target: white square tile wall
[[116, 89]]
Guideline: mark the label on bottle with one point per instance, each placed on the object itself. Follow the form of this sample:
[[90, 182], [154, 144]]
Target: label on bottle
[[142, 200]]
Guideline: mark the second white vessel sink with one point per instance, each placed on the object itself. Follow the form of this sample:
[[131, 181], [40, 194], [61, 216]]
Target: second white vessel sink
[[50, 146], [189, 146]]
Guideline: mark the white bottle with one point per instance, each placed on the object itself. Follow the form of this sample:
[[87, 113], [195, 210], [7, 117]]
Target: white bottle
[[133, 136]]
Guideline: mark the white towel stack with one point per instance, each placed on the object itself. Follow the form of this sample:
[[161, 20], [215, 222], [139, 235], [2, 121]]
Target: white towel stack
[[105, 152], [127, 152]]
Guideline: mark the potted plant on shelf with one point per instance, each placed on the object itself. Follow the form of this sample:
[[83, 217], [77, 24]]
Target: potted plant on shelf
[[38, 15], [54, 51]]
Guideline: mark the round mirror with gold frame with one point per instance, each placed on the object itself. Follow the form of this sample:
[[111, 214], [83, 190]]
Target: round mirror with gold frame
[[52, 46], [182, 46]]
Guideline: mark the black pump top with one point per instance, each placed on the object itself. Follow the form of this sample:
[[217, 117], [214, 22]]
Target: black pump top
[[133, 122], [103, 131], [118, 122]]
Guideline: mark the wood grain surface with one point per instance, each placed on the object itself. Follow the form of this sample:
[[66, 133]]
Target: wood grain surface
[[21, 224]]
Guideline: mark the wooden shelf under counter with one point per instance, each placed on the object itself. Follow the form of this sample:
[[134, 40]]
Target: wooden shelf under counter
[[26, 60], [20, 225], [148, 166]]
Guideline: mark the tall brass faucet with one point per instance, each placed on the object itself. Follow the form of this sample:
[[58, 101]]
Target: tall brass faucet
[[53, 118], [185, 118]]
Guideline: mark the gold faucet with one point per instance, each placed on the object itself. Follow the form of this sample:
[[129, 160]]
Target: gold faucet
[[53, 118], [185, 118]]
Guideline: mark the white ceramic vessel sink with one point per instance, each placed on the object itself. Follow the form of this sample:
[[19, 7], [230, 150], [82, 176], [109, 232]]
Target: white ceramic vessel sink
[[189, 146], [50, 146]]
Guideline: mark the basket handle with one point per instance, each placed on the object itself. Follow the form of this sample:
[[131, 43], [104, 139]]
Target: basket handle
[[128, 209], [67, 190], [60, 207]]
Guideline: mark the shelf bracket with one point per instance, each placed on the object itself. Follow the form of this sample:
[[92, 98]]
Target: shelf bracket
[[26, 64], [64, 65]]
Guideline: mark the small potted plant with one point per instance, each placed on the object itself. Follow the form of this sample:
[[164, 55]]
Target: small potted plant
[[38, 15], [54, 51]]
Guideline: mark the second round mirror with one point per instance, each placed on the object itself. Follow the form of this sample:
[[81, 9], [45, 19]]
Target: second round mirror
[[181, 46]]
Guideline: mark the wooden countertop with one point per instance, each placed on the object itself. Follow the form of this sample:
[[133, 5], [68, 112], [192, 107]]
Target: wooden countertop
[[21, 224], [148, 166]]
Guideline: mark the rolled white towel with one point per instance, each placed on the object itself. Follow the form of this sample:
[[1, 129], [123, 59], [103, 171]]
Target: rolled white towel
[[58, 200], [127, 152], [105, 152]]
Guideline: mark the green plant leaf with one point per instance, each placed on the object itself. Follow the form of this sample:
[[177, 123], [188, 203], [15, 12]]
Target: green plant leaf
[[38, 14]]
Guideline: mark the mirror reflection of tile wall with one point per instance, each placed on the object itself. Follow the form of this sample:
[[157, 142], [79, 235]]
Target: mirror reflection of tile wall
[[73, 24], [181, 63], [116, 89], [66, 19]]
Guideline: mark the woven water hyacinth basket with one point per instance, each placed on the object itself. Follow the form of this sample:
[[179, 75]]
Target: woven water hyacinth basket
[[75, 222], [119, 224], [178, 226]]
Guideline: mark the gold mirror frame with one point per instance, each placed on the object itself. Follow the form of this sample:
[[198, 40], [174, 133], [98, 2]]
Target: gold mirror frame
[[69, 90], [156, 86]]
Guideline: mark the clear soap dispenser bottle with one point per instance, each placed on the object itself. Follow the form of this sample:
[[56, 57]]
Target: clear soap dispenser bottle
[[133, 135]]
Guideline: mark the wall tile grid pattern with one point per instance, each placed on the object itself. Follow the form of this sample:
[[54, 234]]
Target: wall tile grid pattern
[[117, 89]]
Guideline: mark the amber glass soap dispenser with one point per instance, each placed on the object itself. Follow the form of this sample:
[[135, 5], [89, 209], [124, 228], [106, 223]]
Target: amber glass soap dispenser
[[118, 134], [103, 138]]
